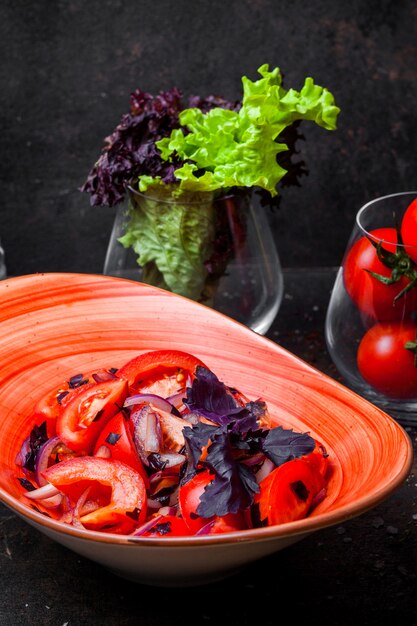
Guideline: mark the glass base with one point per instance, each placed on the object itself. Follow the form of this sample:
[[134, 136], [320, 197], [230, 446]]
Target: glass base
[[248, 287], [230, 298], [403, 411]]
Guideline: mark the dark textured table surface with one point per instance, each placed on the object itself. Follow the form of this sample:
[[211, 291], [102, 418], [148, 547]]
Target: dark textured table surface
[[361, 572]]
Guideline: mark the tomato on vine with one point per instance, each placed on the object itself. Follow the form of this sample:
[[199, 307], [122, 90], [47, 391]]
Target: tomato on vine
[[380, 277], [387, 359], [409, 230]]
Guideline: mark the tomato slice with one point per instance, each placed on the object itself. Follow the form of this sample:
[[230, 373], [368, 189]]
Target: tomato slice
[[158, 364], [189, 499], [318, 458], [287, 493], [117, 439], [81, 421], [117, 490], [52, 404]]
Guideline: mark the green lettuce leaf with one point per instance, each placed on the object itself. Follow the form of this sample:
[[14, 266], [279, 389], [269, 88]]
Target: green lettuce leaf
[[224, 148], [172, 239]]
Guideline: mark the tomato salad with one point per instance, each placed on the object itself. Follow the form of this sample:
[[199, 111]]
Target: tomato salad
[[161, 447]]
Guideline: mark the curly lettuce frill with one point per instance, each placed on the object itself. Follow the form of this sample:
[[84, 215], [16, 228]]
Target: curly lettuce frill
[[225, 148]]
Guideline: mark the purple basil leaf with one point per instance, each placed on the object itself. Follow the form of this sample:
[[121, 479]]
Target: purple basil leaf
[[38, 436], [234, 484], [196, 437], [282, 445], [209, 397]]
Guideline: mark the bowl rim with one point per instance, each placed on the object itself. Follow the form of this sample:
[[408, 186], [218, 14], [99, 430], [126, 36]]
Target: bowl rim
[[289, 529]]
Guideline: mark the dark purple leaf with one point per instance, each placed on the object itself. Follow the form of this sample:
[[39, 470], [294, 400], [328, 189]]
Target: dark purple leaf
[[282, 445], [38, 436], [112, 438], [234, 484]]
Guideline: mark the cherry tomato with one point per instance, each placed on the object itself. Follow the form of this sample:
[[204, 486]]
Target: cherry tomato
[[52, 404], [287, 493], [409, 230], [117, 439], [162, 372], [371, 296], [116, 489], [81, 421], [167, 526], [189, 499], [384, 361]]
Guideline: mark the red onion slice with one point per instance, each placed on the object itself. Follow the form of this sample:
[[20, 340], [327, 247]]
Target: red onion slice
[[147, 434], [168, 510], [42, 459], [158, 476], [150, 398], [265, 469], [23, 452], [102, 376], [52, 503], [177, 400], [205, 530], [319, 497], [147, 526], [171, 459], [46, 491], [78, 508]]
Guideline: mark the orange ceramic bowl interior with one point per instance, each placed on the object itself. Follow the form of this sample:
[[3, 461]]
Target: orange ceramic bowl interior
[[55, 325]]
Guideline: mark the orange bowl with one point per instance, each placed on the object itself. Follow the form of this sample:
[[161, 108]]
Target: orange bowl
[[55, 324]]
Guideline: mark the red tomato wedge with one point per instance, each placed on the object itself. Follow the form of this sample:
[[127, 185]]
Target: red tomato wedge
[[287, 493], [117, 490], [82, 420], [149, 367], [189, 499], [117, 439], [53, 403], [318, 458]]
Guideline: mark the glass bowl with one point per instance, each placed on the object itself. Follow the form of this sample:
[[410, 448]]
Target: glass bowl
[[370, 325]]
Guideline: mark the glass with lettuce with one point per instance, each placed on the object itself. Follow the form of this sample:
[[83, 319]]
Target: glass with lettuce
[[197, 180]]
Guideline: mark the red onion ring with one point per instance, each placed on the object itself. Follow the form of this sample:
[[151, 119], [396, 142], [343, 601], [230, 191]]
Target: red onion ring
[[159, 475], [46, 491], [42, 459], [147, 434], [172, 459], [264, 470], [102, 376], [150, 398], [168, 510], [23, 452], [205, 530], [147, 526]]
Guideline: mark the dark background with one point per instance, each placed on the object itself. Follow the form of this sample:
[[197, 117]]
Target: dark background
[[68, 68]]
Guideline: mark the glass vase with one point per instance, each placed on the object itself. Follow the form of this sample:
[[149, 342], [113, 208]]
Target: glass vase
[[217, 251]]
